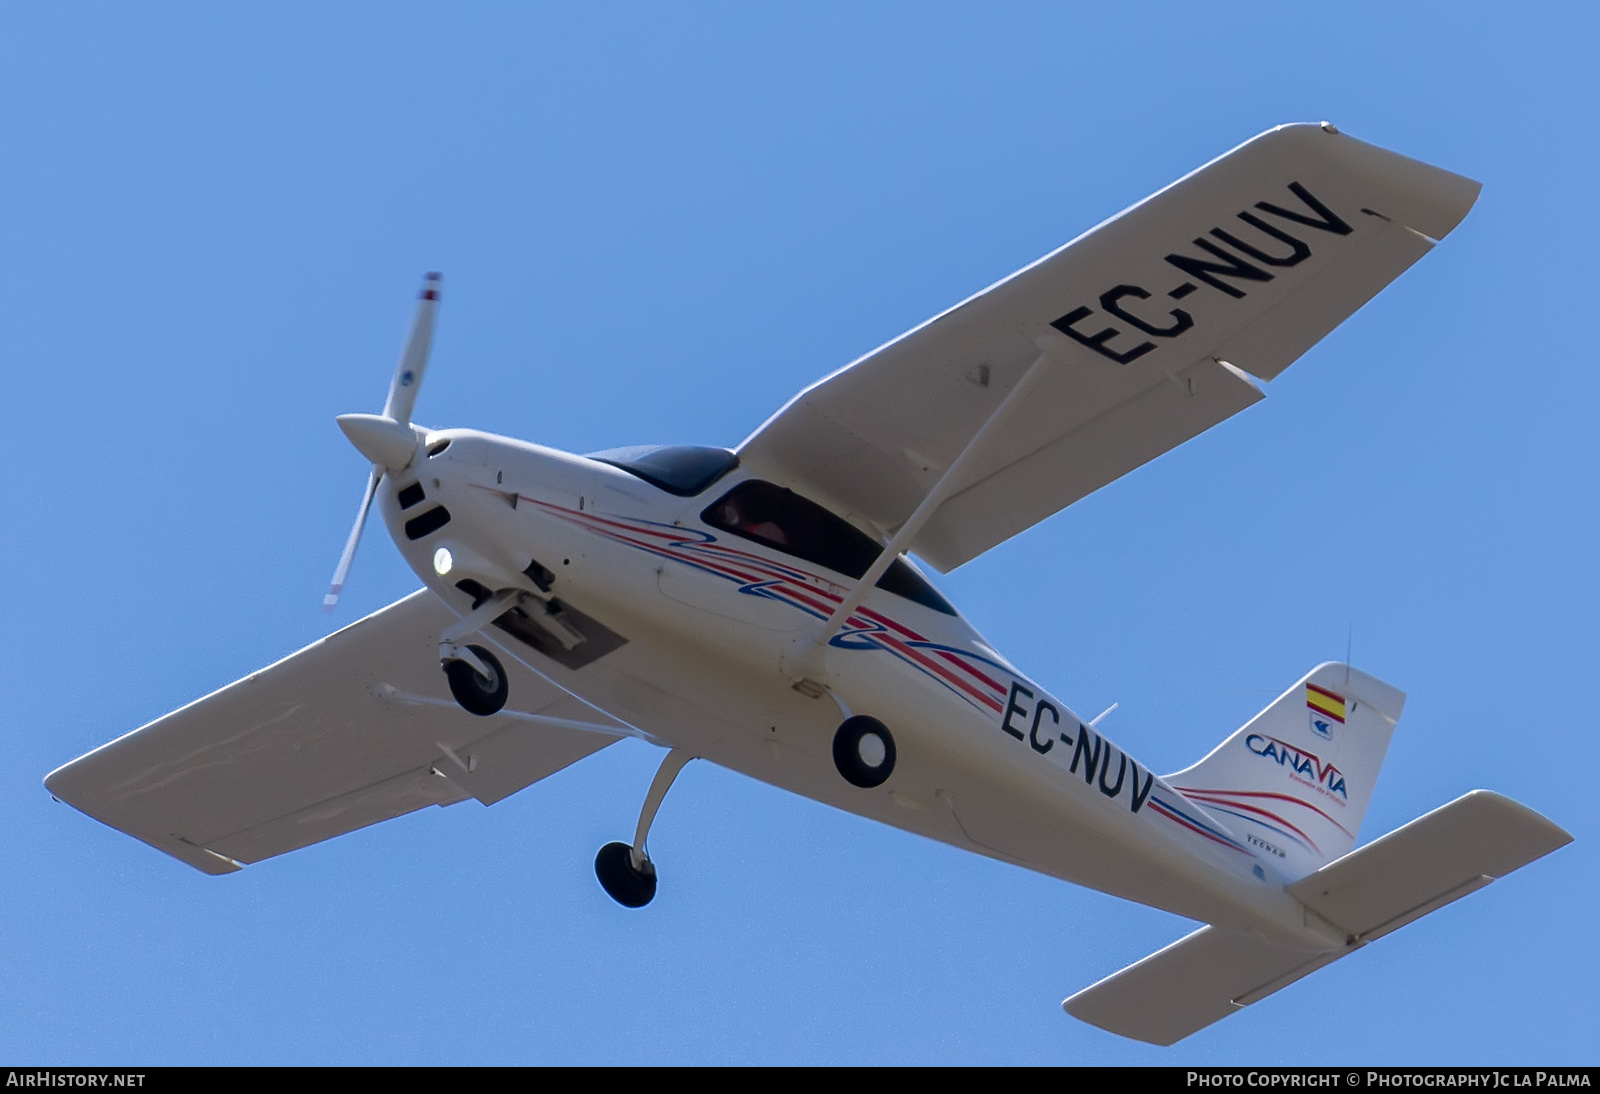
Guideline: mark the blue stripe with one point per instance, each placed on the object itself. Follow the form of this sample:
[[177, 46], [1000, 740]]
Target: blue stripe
[[1197, 822]]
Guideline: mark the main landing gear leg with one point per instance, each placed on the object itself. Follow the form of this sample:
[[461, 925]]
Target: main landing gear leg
[[626, 873]]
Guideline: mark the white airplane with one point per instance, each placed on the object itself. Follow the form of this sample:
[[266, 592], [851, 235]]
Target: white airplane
[[756, 607]]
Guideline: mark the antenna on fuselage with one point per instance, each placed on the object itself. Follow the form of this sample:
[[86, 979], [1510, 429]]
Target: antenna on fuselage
[[1096, 719]]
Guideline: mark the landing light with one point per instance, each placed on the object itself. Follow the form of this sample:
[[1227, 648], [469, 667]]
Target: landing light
[[442, 561]]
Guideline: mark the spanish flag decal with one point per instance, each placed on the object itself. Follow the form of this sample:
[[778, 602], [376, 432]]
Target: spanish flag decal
[[1323, 701]]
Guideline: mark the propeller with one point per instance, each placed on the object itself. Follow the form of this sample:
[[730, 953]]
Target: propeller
[[387, 439]]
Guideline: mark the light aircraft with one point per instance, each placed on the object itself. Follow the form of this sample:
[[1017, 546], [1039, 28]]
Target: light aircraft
[[756, 607]]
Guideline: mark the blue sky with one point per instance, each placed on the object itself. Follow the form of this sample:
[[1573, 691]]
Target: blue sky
[[656, 223]]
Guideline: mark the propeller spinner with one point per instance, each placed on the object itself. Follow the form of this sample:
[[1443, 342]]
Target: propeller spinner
[[383, 438]]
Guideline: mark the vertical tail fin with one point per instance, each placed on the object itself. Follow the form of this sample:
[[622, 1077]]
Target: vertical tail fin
[[1296, 780]]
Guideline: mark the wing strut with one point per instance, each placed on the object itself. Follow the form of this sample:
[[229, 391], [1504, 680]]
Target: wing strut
[[930, 504]]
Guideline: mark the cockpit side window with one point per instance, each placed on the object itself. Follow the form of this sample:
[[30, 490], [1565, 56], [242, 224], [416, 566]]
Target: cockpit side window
[[681, 469], [781, 519]]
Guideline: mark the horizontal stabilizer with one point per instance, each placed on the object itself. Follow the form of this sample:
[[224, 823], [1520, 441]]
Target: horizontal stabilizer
[[1193, 982], [1436, 859], [1424, 865]]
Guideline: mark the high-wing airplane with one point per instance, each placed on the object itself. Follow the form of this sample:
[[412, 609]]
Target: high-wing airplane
[[757, 608]]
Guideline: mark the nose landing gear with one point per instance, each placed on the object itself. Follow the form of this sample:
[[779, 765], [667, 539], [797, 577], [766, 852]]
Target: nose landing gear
[[626, 873], [480, 688], [477, 679]]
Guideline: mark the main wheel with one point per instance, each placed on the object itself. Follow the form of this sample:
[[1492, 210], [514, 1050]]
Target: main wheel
[[477, 694], [628, 887], [863, 751]]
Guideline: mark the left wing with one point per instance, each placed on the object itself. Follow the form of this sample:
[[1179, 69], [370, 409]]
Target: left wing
[[1145, 328], [354, 729]]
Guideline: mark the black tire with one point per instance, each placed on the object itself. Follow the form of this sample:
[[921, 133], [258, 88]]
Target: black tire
[[477, 695], [857, 768], [628, 887]]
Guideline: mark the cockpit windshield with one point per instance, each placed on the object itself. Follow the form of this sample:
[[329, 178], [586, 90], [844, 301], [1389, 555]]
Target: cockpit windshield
[[681, 469], [781, 519]]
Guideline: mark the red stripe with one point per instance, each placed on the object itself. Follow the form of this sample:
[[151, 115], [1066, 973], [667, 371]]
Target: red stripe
[[1312, 706], [893, 624], [954, 658], [1269, 794], [932, 666], [1171, 816], [1218, 800], [705, 554], [710, 564], [959, 661], [788, 572], [716, 566], [585, 518], [589, 520], [1329, 695], [801, 596]]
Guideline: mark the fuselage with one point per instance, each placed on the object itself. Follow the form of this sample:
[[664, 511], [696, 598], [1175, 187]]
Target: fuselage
[[692, 615]]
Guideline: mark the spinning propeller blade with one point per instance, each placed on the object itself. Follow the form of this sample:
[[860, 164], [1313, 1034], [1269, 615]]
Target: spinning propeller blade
[[345, 559], [414, 361], [397, 408]]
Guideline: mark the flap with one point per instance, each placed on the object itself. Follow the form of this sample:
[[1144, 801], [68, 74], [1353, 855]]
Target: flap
[[1250, 260], [354, 729]]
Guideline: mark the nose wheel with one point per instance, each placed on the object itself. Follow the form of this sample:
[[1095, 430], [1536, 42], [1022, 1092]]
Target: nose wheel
[[480, 688]]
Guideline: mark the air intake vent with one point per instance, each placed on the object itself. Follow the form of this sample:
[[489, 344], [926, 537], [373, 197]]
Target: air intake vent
[[428, 523]]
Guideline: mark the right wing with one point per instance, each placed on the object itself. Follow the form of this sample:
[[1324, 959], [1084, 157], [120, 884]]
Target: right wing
[[1148, 325], [354, 729]]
